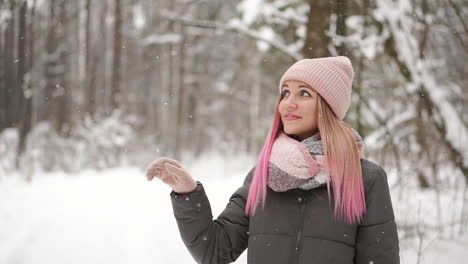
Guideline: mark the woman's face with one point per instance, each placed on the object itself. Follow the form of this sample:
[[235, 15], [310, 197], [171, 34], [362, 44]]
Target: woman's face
[[298, 109]]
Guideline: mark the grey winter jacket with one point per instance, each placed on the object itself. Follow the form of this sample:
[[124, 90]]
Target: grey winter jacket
[[296, 226]]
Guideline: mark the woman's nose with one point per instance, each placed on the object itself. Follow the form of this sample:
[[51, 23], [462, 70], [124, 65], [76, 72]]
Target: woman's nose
[[291, 102]]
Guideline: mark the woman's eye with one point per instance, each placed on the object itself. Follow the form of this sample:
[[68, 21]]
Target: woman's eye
[[302, 92]]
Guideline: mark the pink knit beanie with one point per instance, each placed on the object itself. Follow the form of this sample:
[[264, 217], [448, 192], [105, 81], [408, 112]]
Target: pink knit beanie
[[331, 77]]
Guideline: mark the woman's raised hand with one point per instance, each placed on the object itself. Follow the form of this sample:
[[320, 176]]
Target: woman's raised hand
[[172, 173]]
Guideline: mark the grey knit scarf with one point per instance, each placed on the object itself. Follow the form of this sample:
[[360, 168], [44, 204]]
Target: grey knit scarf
[[299, 164]]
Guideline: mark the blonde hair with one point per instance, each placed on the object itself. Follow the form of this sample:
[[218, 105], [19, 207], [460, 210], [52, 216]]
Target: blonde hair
[[342, 156]]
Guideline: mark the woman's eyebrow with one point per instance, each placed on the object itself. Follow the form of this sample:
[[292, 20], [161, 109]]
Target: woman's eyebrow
[[300, 86], [305, 86]]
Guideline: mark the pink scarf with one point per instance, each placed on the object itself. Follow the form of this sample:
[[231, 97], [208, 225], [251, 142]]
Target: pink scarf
[[299, 164]]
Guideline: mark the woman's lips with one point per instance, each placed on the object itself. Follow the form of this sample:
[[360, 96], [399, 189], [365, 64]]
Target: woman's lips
[[291, 117]]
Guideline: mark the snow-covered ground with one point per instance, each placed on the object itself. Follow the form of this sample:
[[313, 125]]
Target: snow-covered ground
[[117, 216]]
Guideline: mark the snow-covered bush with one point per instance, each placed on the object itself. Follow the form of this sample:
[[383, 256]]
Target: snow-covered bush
[[8, 148], [103, 144], [92, 144]]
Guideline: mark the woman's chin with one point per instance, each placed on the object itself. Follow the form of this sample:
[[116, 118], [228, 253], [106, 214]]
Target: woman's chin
[[291, 134]]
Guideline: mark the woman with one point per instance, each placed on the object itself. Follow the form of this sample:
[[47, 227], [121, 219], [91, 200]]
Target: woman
[[321, 201]]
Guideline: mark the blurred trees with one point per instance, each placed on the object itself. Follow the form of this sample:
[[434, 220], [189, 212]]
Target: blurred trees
[[189, 76]]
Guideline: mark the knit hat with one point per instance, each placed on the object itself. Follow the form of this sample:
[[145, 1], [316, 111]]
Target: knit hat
[[331, 77]]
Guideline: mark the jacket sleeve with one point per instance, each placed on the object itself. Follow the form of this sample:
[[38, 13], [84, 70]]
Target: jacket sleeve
[[213, 241], [377, 236]]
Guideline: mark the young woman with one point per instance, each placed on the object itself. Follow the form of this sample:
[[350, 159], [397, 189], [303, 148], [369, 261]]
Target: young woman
[[311, 198]]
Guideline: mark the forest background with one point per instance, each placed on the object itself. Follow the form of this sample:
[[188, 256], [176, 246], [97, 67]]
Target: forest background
[[94, 85]]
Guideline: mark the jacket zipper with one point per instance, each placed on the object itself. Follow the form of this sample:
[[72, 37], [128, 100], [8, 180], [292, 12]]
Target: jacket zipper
[[297, 245]]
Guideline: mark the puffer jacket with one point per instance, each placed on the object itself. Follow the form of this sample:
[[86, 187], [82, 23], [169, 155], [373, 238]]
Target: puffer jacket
[[296, 226]]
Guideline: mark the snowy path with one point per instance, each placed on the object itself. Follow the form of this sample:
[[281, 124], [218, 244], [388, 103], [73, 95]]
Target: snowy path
[[117, 217]]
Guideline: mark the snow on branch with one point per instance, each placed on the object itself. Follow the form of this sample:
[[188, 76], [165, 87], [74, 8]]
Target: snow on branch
[[397, 19], [232, 26], [161, 39]]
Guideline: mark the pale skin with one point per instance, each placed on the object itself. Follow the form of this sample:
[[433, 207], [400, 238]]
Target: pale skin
[[172, 173], [301, 100], [298, 99]]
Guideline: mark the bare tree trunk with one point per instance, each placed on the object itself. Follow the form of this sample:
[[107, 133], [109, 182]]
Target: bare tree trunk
[[201, 121], [21, 57], [318, 24], [50, 66], [10, 85], [361, 70], [26, 98], [182, 96], [254, 106], [340, 11], [100, 57], [64, 100], [33, 72], [165, 99], [116, 94], [56, 89], [420, 138], [171, 108], [90, 66], [3, 89]]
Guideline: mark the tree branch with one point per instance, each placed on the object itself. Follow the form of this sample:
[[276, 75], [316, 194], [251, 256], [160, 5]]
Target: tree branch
[[233, 27]]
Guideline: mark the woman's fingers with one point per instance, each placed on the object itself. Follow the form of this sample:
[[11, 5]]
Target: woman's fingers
[[164, 176], [168, 178], [158, 163], [152, 172], [156, 167], [172, 173], [171, 161], [172, 169]]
